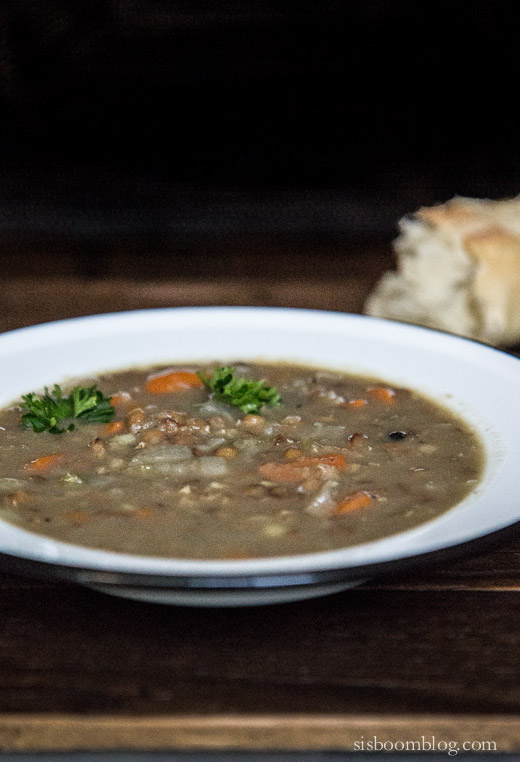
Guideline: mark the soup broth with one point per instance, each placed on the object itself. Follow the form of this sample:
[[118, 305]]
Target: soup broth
[[180, 471]]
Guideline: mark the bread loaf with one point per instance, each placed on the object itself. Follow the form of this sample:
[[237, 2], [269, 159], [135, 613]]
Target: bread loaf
[[458, 269]]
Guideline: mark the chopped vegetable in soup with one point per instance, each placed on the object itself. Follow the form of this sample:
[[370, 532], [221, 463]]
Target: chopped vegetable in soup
[[230, 462]]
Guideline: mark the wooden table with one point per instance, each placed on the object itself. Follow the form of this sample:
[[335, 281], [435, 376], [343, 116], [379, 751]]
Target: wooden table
[[430, 653]]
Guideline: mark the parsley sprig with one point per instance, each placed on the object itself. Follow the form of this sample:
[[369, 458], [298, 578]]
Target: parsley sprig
[[45, 412], [248, 395]]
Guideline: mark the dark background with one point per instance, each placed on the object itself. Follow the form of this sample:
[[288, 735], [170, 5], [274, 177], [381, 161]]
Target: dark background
[[157, 138]]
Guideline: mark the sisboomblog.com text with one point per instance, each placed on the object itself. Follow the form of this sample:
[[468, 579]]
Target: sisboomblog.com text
[[424, 743]]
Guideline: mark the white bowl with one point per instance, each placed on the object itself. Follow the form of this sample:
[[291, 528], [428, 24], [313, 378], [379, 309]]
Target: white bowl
[[477, 382]]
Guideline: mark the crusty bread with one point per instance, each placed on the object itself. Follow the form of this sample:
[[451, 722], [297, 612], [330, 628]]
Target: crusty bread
[[458, 269]]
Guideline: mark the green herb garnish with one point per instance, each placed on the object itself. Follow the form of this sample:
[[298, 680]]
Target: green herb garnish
[[248, 395], [44, 413]]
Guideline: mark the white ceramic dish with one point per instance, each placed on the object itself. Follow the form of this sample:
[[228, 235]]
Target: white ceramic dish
[[476, 381]]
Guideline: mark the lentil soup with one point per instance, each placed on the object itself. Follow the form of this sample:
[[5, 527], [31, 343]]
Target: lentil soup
[[206, 463]]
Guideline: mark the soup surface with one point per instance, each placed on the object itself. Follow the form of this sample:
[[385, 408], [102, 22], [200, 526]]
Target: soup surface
[[311, 460]]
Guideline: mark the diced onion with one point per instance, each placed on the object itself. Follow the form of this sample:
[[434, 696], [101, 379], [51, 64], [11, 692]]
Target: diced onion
[[210, 444], [329, 434], [213, 407], [121, 441], [162, 454], [205, 467], [323, 501], [184, 469], [212, 466], [10, 485]]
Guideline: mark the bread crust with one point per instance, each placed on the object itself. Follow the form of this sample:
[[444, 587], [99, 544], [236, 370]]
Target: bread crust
[[458, 269]]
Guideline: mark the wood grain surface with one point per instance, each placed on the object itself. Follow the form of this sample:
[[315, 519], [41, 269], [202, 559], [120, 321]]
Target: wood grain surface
[[304, 733], [429, 651], [27, 301], [68, 649]]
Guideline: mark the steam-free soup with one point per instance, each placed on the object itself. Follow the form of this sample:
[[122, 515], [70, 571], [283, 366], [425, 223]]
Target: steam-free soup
[[173, 466]]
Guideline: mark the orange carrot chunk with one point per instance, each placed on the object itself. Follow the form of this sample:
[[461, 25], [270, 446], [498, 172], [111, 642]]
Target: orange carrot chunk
[[44, 463], [112, 428], [357, 403], [176, 381], [382, 393], [295, 470], [351, 503], [334, 459], [282, 472], [120, 399]]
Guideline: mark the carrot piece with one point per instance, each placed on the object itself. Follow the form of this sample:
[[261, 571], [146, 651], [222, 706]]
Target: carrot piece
[[296, 470], [114, 427], [120, 399], [383, 394], [357, 403], [282, 472], [351, 503], [44, 463], [334, 459], [176, 381]]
